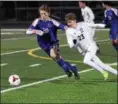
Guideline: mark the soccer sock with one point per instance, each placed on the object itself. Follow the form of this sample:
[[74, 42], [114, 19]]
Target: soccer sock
[[63, 65], [115, 46], [104, 66], [72, 68]]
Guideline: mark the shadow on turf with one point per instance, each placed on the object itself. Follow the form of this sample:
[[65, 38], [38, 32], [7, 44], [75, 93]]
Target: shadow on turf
[[93, 81]]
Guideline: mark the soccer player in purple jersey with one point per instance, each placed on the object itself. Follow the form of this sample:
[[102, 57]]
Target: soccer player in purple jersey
[[46, 30], [111, 20]]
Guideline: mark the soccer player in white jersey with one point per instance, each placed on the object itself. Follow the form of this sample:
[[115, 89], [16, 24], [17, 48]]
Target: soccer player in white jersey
[[87, 15], [78, 36]]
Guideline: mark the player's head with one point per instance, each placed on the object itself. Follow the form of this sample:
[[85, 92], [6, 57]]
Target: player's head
[[44, 12], [70, 19], [106, 4], [82, 4]]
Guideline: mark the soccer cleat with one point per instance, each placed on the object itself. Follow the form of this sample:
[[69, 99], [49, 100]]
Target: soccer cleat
[[105, 74], [77, 77], [69, 73]]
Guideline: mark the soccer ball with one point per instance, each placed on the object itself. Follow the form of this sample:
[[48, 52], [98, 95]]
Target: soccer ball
[[14, 80]]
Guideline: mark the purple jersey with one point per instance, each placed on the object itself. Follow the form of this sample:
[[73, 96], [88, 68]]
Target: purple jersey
[[111, 19], [49, 27]]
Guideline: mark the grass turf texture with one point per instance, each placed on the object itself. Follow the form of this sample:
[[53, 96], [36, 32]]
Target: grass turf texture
[[91, 88]]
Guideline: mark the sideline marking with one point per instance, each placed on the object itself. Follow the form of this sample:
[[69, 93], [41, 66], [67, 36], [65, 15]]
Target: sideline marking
[[3, 64], [19, 51], [30, 52], [33, 65], [39, 82]]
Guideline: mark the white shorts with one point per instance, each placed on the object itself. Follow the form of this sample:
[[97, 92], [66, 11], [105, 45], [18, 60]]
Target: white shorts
[[92, 48], [91, 53]]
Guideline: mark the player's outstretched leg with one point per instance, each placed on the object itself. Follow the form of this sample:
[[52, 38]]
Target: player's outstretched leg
[[66, 66], [53, 54], [88, 60], [104, 66]]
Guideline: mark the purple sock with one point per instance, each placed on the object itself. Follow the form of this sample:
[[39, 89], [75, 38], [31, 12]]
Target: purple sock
[[63, 65]]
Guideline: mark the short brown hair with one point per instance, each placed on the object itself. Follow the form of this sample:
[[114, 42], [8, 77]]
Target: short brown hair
[[70, 16], [85, 2], [45, 8]]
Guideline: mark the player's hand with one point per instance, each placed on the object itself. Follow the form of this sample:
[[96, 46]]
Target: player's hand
[[66, 27], [75, 41], [38, 32]]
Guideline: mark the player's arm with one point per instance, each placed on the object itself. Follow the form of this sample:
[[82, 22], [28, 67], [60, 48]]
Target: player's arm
[[32, 29], [80, 50], [59, 25], [90, 14], [70, 40], [96, 25]]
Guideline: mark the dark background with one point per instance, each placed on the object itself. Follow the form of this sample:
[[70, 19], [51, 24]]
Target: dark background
[[19, 14]]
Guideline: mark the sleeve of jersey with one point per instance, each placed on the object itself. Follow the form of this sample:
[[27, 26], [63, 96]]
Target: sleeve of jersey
[[96, 25], [69, 39], [59, 25], [32, 27]]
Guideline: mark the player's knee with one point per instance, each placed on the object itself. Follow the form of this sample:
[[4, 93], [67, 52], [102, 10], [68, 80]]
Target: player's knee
[[86, 61], [115, 42], [53, 55]]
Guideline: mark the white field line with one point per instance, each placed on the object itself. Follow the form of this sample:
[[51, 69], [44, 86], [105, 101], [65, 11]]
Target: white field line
[[3, 64], [34, 65], [6, 33], [19, 51], [26, 29], [47, 80], [4, 30], [39, 82], [16, 38]]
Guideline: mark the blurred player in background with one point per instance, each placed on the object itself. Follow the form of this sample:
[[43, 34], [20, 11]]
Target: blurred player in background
[[46, 30], [88, 17], [111, 20], [79, 37]]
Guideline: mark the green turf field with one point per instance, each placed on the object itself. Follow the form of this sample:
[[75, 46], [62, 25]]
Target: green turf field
[[42, 81]]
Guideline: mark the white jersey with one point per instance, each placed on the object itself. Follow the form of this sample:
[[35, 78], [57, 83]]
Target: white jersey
[[82, 35], [88, 15]]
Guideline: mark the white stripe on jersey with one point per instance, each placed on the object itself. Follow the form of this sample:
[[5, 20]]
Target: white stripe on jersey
[[35, 22], [115, 11], [105, 13], [56, 23]]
